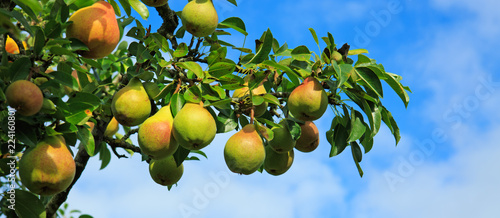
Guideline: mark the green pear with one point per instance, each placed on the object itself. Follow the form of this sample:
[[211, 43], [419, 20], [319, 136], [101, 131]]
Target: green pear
[[282, 141], [194, 127], [96, 27], [260, 109], [131, 105], [155, 135], [308, 101], [309, 137], [48, 168], [154, 3], [244, 152], [200, 18], [277, 163], [165, 171], [25, 97]]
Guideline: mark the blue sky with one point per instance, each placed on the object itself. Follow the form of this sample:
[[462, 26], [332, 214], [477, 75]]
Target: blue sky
[[445, 165]]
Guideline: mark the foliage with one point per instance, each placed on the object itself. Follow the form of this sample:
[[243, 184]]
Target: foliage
[[184, 69]]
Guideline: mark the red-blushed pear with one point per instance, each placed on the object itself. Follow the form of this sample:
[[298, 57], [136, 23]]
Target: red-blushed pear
[[131, 105], [309, 137], [25, 97], [155, 135], [48, 168], [308, 101], [165, 171], [112, 128], [277, 163], [244, 152], [194, 127], [200, 18], [96, 27], [260, 109], [154, 3]]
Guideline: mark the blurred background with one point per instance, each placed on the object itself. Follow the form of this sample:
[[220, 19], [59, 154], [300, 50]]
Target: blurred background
[[444, 166]]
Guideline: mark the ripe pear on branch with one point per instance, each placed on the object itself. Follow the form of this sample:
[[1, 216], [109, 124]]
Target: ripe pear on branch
[[244, 151], [25, 97], [194, 126], [282, 141], [165, 171], [309, 137], [96, 27], [131, 105], [277, 163], [48, 168], [308, 101], [200, 18], [155, 135]]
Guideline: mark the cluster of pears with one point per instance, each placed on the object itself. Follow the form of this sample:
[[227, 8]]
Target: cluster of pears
[[96, 27], [245, 153], [48, 168]]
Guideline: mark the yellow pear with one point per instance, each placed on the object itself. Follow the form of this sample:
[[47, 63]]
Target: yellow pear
[[308, 101], [48, 168], [111, 128], [155, 135], [244, 152], [309, 137], [25, 97], [194, 127], [165, 171], [131, 105], [96, 27], [277, 163], [200, 18]]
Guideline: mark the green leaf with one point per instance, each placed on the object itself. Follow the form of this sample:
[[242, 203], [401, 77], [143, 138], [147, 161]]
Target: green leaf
[[345, 72], [226, 123], [357, 126], [180, 155], [31, 7], [357, 51], [177, 101], [27, 135], [356, 154], [39, 42], [222, 104], [138, 6], [391, 123], [271, 99], [234, 23], [233, 2], [194, 67], [370, 79], [181, 51], [104, 156], [20, 69], [398, 88], [28, 205], [87, 140], [337, 137], [193, 94], [301, 53], [263, 53], [313, 33], [221, 68]]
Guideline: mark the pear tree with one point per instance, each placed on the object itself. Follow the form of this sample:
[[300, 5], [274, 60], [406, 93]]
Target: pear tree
[[68, 81]]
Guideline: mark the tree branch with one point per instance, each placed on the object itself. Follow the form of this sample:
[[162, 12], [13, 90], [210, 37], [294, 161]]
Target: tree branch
[[170, 23]]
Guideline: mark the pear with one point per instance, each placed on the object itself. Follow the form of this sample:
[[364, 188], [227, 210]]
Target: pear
[[48, 168], [260, 109], [131, 105], [25, 97], [308, 101], [244, 152], [200, 18], [194, 127], [96, 27], [277, 163], [111, 128], [282, 141], [155, 135], [309, 137], [165, 171], [154, 3]]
